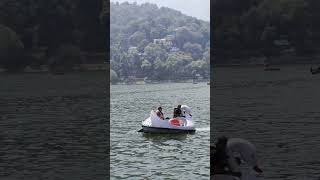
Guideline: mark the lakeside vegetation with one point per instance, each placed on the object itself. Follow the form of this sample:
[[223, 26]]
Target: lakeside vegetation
[[265, 31], [53, 34], [157, 43]]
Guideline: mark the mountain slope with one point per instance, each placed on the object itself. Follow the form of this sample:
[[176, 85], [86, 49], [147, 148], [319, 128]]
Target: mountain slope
[[158, 43]]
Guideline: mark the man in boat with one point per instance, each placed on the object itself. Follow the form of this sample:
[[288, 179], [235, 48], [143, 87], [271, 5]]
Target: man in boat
[[159, 113], [225, 162], [177, 112]]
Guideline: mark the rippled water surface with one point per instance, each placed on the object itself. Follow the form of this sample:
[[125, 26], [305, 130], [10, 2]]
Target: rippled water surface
[[53, 126], [279, 111], [139, 156]]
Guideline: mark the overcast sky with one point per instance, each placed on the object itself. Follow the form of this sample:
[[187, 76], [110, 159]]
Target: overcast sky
[[196, 8]]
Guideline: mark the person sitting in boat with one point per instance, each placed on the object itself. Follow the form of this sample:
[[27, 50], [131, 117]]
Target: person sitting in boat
[[159, 113], [177, 112], [224, 160]]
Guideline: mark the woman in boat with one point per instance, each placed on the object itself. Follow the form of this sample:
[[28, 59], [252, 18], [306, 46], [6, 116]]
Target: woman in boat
[[159, 113]]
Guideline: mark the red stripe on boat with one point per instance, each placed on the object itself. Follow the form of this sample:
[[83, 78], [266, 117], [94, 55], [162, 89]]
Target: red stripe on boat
[[175, 122]]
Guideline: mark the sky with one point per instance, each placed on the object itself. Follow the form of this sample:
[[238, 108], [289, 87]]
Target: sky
[[196, 8]]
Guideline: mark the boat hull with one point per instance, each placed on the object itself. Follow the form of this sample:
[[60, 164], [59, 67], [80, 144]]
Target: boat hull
[[147, 129]]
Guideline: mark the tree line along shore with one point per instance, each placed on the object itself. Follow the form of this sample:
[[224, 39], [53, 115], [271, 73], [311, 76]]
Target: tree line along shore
[[266, 31], [40, 36]]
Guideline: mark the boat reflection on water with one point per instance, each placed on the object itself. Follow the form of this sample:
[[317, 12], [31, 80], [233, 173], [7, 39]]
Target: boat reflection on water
[[160, 137]]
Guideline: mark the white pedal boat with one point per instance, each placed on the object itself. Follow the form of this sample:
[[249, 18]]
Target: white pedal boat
[[154, 124]]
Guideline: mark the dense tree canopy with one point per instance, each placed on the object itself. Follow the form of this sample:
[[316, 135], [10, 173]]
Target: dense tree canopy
[[269, 28], [158, 43], [47, 26]]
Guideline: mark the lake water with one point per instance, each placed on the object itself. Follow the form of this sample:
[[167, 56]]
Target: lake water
[[135, 155], [279, 111], [53, 126]]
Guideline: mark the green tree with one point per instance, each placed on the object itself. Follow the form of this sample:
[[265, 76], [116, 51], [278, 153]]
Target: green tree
[[160, 70], [136, 38], [146, 67], [194, 49], [135, 62], [153, 51]]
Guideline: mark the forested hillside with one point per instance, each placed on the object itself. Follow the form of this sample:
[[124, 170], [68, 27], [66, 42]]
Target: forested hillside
[[50, 32], [158, 43], [265, 28]]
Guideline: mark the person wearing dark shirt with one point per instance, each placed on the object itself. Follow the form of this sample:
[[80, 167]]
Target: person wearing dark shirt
[[177, 111]]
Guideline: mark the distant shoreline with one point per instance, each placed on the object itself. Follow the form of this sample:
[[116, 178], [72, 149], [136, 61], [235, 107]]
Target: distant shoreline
[[161, 82], [49, 72], [284, 60], [45, 69], [262, 65]]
